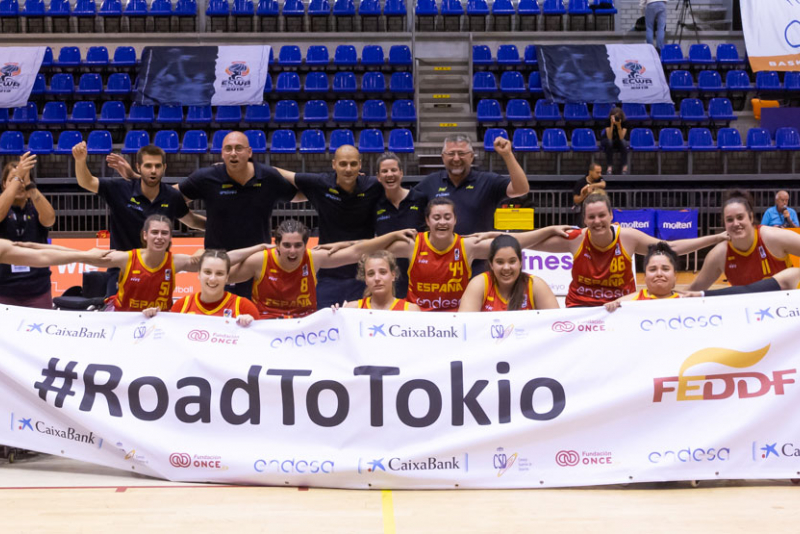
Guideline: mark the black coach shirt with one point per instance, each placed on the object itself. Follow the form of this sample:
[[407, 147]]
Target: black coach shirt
[[128, 209], [22, 224], [476, 197], [410, 213], [238, 216], [343, 216]]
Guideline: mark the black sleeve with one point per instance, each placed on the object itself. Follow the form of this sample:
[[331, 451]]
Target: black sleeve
[[578, 186], [110, 190], [283, 188], [192, 187], [310, 184], [762, 286], [499, 188], [178, 204], [423, 189]]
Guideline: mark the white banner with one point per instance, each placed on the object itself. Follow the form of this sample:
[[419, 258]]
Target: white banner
[[671, 390], [772, 34], [638, 73], [19, 66], [240, 75], [555, 268]]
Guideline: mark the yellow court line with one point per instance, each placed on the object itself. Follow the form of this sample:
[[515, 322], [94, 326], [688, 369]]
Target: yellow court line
[[388, 512]]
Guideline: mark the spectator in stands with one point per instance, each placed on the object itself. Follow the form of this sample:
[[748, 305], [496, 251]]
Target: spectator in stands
[[25, 215], [613, 139], [345, 201], [586, 186], [780, 214], [130, 202], [655, 15]]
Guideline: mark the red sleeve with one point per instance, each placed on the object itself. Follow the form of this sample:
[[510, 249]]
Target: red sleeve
[[246, 306], [176, 308]]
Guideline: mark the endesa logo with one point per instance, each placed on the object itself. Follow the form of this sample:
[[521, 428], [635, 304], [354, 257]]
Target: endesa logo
[[722, 386], [396, 330], [595, 325], [681, 322], [81, 332], [774, 449], [431, 463], [690, 455], [761, 315], [214, 337], [306, 339], [183, 460], [69, 433], [294, 466], [570, 458]]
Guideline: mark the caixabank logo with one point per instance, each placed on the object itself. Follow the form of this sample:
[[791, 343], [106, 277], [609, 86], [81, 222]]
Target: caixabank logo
[[43, 328], [389, 330], [389, 464], [744, 384], [765, 450], [23, 424], [772, 314]]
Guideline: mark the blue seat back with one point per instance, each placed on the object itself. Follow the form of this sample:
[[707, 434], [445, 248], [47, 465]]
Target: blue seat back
[[525, 140], [401, 141], [341, 137], [344, 82]]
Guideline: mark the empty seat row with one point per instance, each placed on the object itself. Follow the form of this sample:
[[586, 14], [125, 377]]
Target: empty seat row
[[510, 82], [710, 81], [507, 56], [451, 8], [89, 85], [296, 8], [96, 57], [700, 56], [88, 8]]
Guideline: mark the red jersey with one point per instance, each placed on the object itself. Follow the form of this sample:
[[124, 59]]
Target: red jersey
[[645, 295], [230, 306], [757, 263], [141, 287], [600, 275], [280, 293], [438, 278], [397, 305], [493, 301]]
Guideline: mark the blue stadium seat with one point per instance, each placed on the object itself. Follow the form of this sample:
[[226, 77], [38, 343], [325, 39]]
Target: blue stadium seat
[[484, 82], [268, 9], [345, 111], [40, 143], [394, 9], [403, 112], [663, 112], [400, 56], [242, 8], [287, 112], [169, 114], [194, 142], [635, 112], [368, 8], [373, 82], [525, 140], [343, 8], [341, 137], [112, 112], [544, 110], [553, 7], [508, 56], [119, 84], [217, 140], [721, 110], [228, 115], [184, 8], [518, 110], [167, 140], [84, 9], [345, 56], [492, 134], [681, 81], [293, 8], [83, 112], [59, 8], [791, 82], [344, 82], [531, 57], [452, 8], [39, 85], [290, 57], [90, 84], [283, 142], [97, 57], [759, 139], [692, 110], [401, 141], [124, 56], [728, 55], [729, 140], [316, 82], [672, 55], [503, 8], [528, 8], [370, 141], [374, 111], [554, 140], [787, 138], [198, 115], [738, 81], [535, 84], [257, 140], [3, 115], [671, 140], [25, 115], [161, 8], [482, 56], [99, 142], [33, 9], [317, 56], [642, 140], [268, 84], [134, 8], [576, 112], [512, 82], [9, 9], [54, 113], [69, 57], [709, 81], [372, 56], [66, 140], [134, 140], [489, 110], [700, 55], [700, 140], [584, 140], [315, 111], [401, 82], [767, 82], [257, 114], [312, 142], [62, 84], [288, 82], [12, 144], [141, 113], [48, 60], [319, 8]]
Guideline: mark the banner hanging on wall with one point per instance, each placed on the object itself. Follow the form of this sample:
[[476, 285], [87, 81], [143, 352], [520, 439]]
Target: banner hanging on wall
[[19, 66], [685, 389], [772, 34]]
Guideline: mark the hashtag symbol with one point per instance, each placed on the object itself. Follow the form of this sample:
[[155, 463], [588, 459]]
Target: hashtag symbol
[[50, 374]]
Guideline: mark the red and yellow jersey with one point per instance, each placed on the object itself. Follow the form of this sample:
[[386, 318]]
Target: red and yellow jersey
[[493, 301], [141, 287], [757, 263], [230, 306], [280, 293], [644, 294], [437, 278], [397, 305], [600, 275]]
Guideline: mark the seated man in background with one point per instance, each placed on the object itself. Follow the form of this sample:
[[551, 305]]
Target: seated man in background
[[780, 214]]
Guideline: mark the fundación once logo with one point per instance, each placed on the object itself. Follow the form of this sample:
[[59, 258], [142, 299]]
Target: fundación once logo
[[572, 458], [748, 384], [183, 460], [214, 337], [566, 327]]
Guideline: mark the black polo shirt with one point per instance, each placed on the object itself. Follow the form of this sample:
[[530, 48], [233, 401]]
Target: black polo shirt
[[343, 216], [410, 213], [128, 209], [476, 197], [22, 224], [238, 216]]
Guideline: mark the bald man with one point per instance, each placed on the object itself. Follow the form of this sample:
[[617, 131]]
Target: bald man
[[780, 214], [345, 200]]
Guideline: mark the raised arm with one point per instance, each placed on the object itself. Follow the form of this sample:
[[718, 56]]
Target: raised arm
[[638, 241], [247, 269], [194, 220], [121, 165], [400, 243], [713, 267], [14, 186], [781, 241], [47, 257], [478, 247], [85, 178], [519, 185]]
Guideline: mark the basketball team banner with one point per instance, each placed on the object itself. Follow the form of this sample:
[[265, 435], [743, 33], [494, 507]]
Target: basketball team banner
[[19, 66], [202, 75], [772, 34], [673, 390], [602, 73]]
